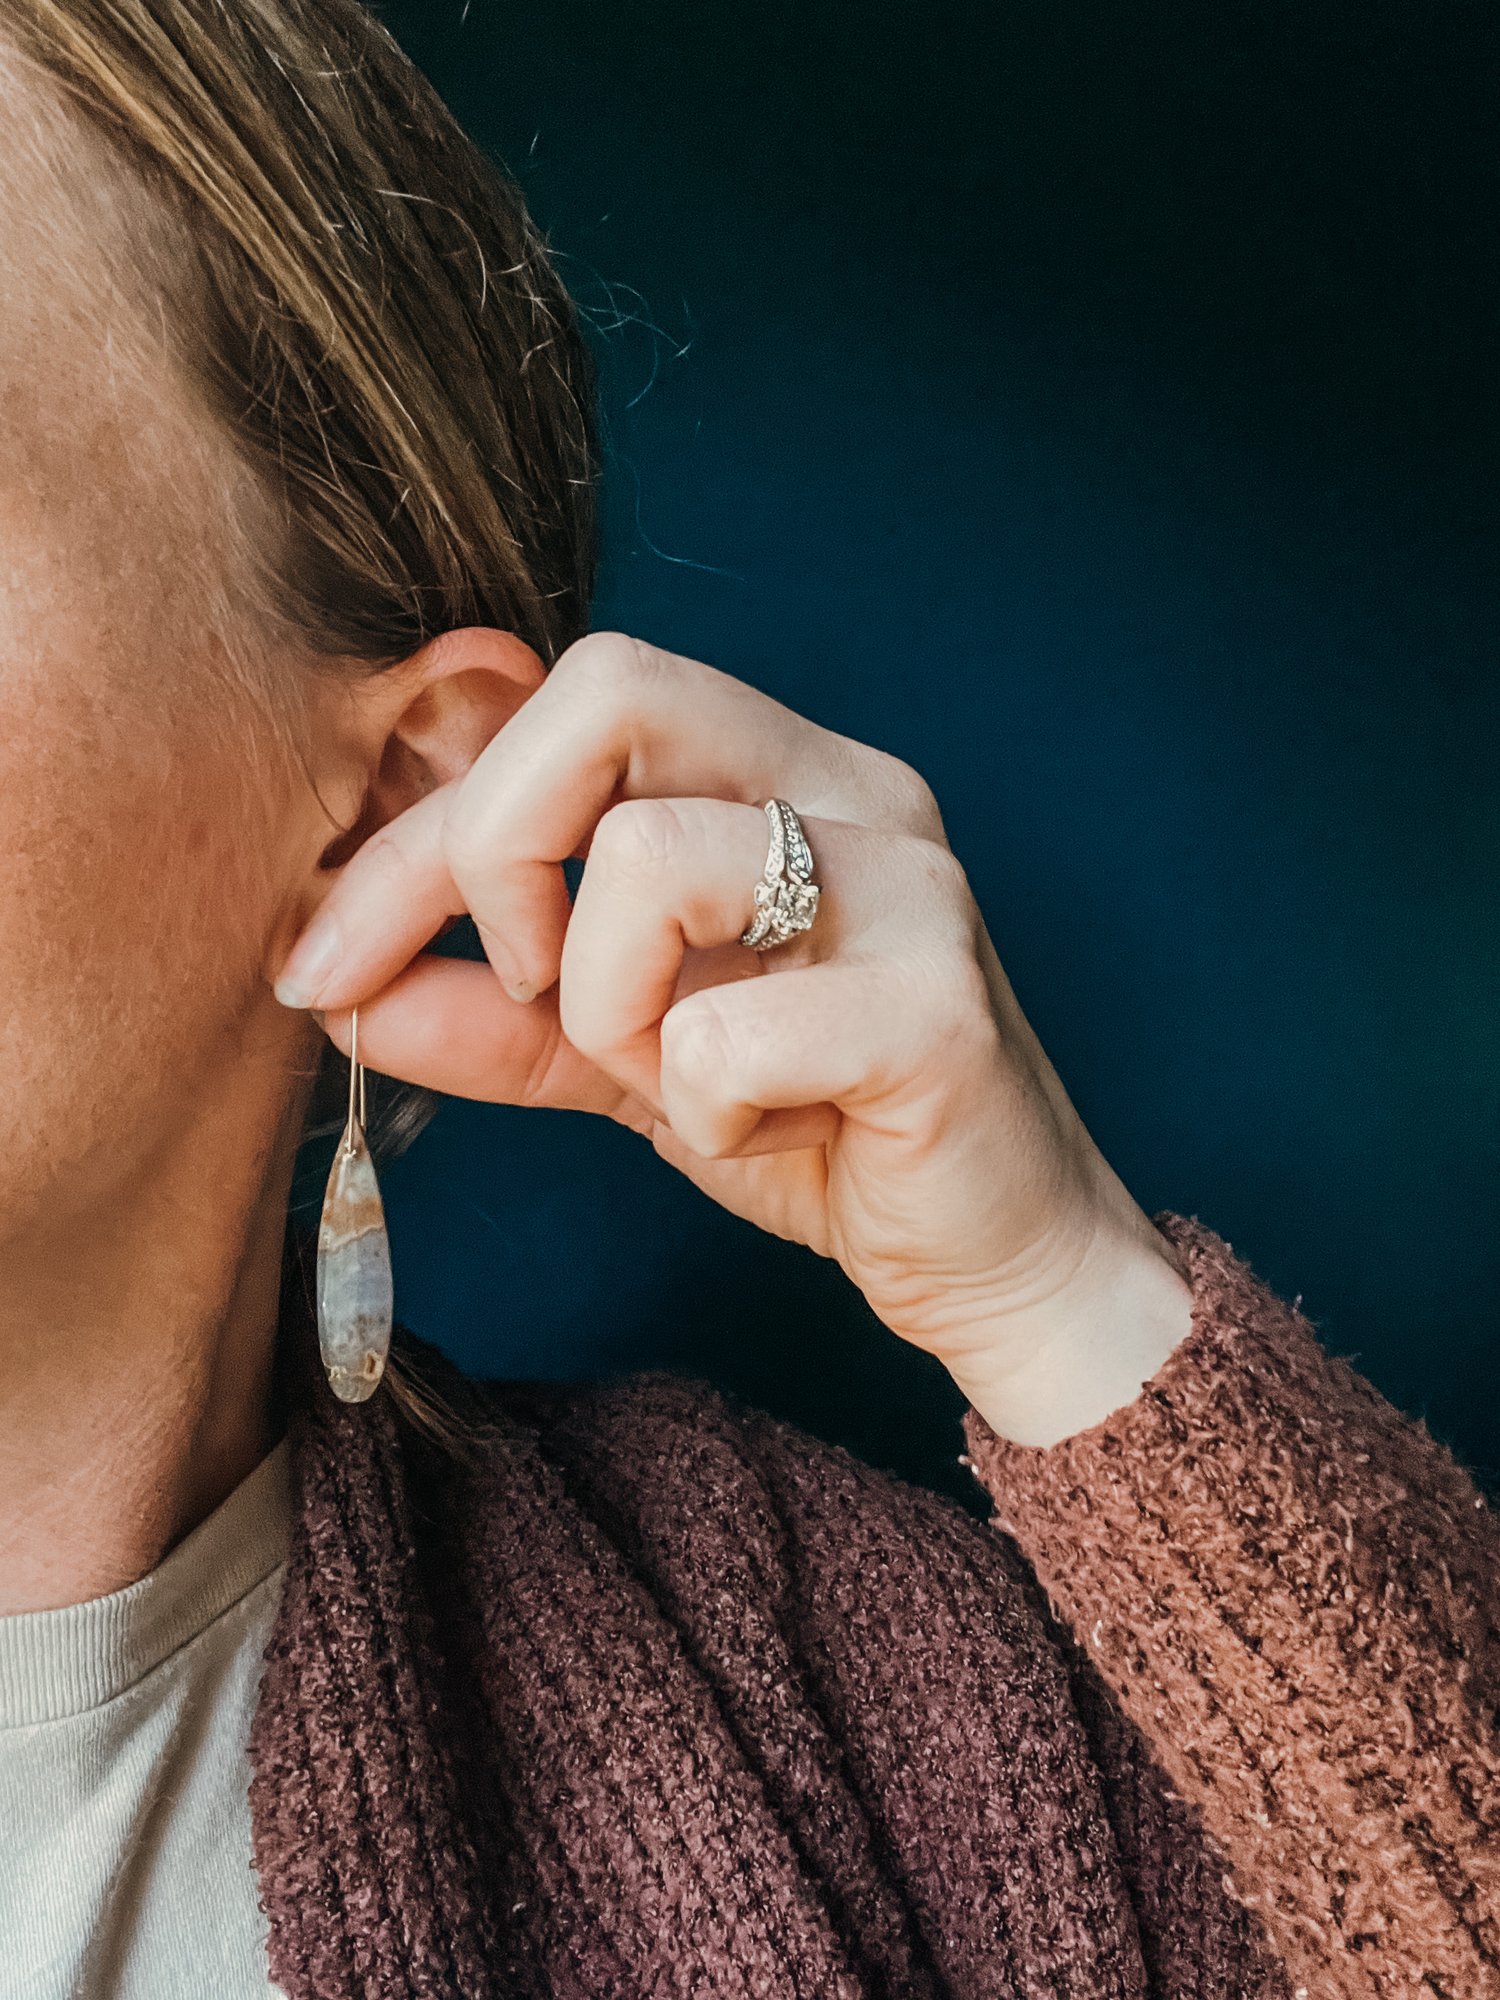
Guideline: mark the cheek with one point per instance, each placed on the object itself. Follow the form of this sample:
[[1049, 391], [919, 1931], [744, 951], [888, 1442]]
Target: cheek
[[137, 853], [138, 872]]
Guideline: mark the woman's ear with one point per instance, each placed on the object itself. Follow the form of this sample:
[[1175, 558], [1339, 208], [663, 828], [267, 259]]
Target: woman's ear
[[424, 722]]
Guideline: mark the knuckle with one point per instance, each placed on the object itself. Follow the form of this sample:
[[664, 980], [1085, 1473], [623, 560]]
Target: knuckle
[[699, 1044], [964, 1021], [950, 1000], [611, 667], [581, 1020], [940, 879], [903, 796], [385, 853], [637, 840], [470, 840]]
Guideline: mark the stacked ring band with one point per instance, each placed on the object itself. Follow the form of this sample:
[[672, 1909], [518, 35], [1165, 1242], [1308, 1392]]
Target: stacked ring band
[[786, 897]]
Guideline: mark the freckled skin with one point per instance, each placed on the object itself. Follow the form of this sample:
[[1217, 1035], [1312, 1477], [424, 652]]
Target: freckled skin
[[154, 839], [133, 880]]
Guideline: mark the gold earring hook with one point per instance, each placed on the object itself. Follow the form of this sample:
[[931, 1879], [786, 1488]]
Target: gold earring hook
[[356, 1081]]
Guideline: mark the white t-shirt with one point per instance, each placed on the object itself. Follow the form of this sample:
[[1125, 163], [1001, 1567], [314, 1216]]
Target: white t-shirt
[[125, 1866]]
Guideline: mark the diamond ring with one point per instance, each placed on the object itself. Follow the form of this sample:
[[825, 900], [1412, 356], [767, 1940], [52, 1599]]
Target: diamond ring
[[786, 897]]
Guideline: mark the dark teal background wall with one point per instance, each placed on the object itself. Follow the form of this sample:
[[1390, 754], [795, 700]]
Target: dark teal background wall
[[1096, 406]]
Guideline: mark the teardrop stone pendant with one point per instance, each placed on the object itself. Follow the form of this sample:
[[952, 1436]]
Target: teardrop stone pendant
[[355, 1294]]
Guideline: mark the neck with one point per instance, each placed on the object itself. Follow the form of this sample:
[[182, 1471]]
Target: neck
[[137, 1352]]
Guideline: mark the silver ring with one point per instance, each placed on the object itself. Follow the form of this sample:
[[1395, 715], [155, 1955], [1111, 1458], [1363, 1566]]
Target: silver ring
[[786, 896]]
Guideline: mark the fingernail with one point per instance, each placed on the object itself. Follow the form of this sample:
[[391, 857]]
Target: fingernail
[[313, 958], [506, 966]]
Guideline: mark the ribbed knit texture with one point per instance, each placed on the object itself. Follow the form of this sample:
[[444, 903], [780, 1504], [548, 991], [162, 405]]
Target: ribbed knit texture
[[1295, 1593], [661, 1696]]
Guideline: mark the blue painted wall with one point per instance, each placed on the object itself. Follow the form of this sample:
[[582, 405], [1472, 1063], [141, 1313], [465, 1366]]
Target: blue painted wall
[[1096, 407]]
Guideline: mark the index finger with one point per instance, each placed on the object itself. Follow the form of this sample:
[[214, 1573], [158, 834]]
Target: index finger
[[615, 719], [390, 899]]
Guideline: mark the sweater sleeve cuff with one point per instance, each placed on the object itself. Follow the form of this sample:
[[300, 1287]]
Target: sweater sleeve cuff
[[1291, 1589], [1250, 1368], [1249, 1436]]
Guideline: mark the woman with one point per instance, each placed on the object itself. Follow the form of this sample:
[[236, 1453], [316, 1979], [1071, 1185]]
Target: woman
[[581, 1689]]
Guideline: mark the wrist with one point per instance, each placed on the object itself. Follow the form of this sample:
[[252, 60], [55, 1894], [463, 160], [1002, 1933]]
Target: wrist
[[1070, 1362]]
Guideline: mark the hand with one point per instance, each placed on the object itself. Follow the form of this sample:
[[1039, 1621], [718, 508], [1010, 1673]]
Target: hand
[[870, 1088]]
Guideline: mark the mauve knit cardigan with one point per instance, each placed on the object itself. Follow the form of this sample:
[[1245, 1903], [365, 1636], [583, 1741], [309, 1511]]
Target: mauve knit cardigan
[[658, 1695]]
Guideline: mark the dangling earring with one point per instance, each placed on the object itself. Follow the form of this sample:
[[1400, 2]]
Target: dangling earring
[[355, 1294]]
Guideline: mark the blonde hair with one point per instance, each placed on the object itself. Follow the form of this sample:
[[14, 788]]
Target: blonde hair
[[367, 308], [378, 323]]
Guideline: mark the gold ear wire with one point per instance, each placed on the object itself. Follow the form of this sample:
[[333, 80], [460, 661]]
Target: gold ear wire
[[356, 1081]]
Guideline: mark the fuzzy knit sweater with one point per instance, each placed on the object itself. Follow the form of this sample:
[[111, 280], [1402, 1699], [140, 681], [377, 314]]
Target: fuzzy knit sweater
[[652, 1694]]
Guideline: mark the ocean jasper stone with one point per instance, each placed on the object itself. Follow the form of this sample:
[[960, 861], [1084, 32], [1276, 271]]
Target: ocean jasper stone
[[355, 1295]]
